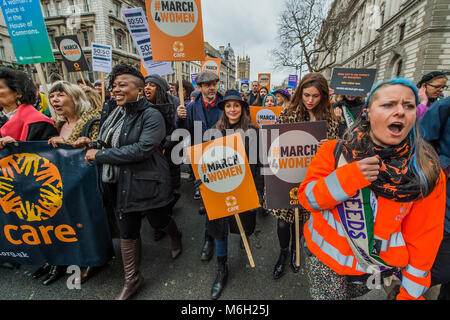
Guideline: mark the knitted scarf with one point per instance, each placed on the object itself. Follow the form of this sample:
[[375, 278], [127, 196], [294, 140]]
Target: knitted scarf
[[396, 181]]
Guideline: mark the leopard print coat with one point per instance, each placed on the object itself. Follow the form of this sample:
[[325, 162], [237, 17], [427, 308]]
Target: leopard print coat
[[85, 117], [332, 133]]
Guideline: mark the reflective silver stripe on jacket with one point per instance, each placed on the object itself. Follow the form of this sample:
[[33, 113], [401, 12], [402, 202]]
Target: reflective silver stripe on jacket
[[414, 289], [396, 240], [335, 189], [327, 248], [310, 196], [416, 272]]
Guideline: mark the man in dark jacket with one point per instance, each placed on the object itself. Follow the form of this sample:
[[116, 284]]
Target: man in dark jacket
[[435, 125], [254, 93], [204, 112]]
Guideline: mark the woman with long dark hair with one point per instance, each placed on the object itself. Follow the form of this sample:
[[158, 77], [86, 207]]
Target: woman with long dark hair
[[377, 201], [310, 102], [234, 117]]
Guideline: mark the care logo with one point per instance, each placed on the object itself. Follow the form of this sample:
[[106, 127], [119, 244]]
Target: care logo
[[175, 18], [230, 201], [221, 169], [293, 194], [178, 46], [24, 172]]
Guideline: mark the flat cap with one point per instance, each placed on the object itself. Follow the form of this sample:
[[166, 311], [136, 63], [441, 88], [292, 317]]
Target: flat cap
[[205, 77]]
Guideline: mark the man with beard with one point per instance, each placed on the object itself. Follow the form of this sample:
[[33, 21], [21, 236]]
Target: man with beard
[[202, 111]]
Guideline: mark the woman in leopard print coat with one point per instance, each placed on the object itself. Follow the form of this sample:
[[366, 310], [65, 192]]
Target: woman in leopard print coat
[[310, 102]]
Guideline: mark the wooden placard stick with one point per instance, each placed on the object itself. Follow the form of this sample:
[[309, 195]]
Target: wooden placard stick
[[244, 239], [103, 86], [180, 83], [297, 236]]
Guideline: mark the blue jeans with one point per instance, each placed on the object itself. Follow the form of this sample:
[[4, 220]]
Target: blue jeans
[[222, 245]]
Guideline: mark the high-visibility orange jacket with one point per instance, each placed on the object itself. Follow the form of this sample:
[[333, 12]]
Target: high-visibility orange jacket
[[410, 232]]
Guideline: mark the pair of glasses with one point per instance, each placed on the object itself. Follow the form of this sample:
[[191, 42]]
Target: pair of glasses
[[437, 87]]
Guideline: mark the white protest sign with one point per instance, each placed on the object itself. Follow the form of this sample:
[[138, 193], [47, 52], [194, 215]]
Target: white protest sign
[[101, 57], [137, 25]]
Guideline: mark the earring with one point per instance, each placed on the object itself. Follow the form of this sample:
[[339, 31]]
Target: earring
[[18, 103], [364, 114]]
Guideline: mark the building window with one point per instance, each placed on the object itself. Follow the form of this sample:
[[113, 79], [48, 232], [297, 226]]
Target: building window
[[86, 38], [116, 7], [72, 6], [87, 5], [119, 41], [402, 29], [58, 8], [52, 40], [46, 6], [398, 69], [374, 54], [2, 50]]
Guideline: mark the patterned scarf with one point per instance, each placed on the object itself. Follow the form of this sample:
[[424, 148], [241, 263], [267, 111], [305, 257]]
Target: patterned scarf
[[396, 181]]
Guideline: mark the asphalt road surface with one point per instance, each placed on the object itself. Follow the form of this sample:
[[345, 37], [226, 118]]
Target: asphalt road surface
[[186, 278]]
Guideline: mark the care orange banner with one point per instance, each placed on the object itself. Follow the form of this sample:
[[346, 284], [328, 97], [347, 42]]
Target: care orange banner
[[228, 187], [176, 30], [262, 115], [264, 80]]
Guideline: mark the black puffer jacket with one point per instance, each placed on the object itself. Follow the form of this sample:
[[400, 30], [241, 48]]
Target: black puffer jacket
[[144, 181]]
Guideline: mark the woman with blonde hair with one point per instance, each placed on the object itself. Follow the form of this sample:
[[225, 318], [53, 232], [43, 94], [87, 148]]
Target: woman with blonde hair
[[94, 98], [377, 201], [73, 113]]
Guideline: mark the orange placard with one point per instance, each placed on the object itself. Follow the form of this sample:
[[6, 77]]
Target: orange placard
[[143, 71], [264, 80], [212, 65], [176, 30], [228, 187], [262, 115]]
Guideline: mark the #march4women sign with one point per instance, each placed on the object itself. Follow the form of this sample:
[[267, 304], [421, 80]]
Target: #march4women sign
[[291, 148], [227, 183]]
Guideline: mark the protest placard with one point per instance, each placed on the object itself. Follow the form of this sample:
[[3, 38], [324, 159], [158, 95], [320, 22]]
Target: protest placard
[[292, 81], [227, 185], [101, 57], [264, 80], [264, 116], [27, 30], [176, 30], [289, 154], [138, 27], [72, 54], [352, 82]]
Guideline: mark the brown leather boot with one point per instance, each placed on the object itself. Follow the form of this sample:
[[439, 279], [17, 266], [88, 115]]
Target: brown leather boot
[[175, 235], [131, 257]]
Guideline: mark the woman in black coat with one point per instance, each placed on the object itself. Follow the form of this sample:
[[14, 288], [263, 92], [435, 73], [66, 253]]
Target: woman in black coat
[[133, 170], [347, 109], [235, 117]]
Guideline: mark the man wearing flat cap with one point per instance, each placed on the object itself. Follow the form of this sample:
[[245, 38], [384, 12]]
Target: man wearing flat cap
[[204, 112]]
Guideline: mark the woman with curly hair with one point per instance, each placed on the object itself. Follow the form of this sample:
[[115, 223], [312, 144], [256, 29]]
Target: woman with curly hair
[[134, 174]]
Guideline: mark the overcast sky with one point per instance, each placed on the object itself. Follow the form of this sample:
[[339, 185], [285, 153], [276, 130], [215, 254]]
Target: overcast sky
[[250, 26]]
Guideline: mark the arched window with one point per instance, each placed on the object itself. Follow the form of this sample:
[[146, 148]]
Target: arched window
[[398, 68]]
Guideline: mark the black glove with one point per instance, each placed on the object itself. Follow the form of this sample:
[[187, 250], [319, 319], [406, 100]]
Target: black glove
[[198, 183]]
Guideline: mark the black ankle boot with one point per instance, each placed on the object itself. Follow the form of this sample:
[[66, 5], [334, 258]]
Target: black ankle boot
[[44, 269], [54, 274], [278, 270], [221, 279], [293, 262], [207, 250]]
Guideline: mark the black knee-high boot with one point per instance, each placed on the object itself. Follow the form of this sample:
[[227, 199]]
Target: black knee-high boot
[[221, 278]]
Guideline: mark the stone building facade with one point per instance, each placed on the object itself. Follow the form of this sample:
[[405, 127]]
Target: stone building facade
[[406, 38]]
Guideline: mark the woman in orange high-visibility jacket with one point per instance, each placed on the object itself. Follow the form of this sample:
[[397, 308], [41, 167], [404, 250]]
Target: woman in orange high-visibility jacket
[[379, 206]]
